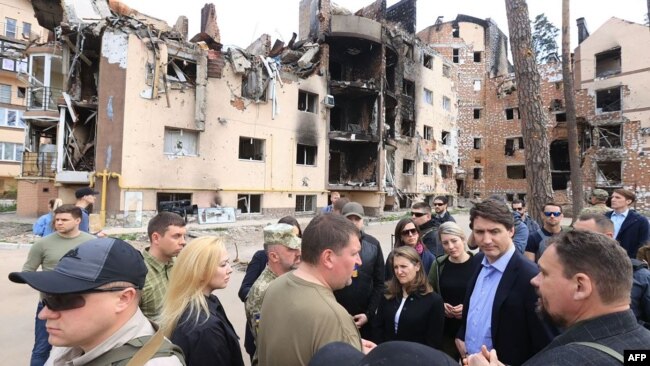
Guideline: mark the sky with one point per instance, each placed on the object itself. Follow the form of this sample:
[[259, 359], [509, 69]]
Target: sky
[[242, 21]]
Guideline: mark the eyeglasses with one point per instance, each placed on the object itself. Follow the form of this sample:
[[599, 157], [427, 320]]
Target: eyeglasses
[[409, 232], [518, 209], [60, 302], [549, 214], [438, 204], [417, 214]]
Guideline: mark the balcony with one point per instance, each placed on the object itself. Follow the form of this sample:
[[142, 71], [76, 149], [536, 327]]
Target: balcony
[[39, 164], [42, 98]]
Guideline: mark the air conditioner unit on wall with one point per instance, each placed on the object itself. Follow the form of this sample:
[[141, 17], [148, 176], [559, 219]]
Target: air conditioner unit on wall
[[329, 101]]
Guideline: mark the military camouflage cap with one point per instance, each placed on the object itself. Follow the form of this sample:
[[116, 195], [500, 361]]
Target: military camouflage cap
[[600, 193], [281, 234]]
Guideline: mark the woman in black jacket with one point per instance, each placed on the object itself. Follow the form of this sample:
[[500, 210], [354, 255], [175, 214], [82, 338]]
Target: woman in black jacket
[[410, 310]]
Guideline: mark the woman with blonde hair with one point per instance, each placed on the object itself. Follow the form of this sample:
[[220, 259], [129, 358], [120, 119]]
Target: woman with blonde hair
[[192, 317], [449, 276], [410, 310]]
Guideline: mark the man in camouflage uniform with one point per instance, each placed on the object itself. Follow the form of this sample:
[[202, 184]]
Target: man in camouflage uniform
[[598, 201], [283, 249]]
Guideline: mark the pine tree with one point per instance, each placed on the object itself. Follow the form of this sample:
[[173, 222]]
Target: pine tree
[[544, 39]]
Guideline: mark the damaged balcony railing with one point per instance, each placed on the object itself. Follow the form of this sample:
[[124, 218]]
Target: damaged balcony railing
[[42, 98], [39, 164]]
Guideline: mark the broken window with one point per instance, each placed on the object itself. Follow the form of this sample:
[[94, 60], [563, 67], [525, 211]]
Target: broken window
[[307, 101], [427, 168], [306, 155], [477, 143], [478, 172], [253, 86], [5, 93], [608, 63], [446, 103], [445, 171], [446, 71], [408, 51], [408, 128], [10, 28], [455, 32], [512, 144], [305, 203], [608, 173], [560, 117], [512, 113], [477, 85], [609, 136], [556, 105], [249, 203], [446, 138], [477, 56], [477, 113], [427, 61], [428, 96], [408, 88], [27, 30], [455, 56], [21, 92], [408, 166], [181, 70], [167, 200], [181, 142], [516, 171], [428, 133], [608, 100], [251, 149]]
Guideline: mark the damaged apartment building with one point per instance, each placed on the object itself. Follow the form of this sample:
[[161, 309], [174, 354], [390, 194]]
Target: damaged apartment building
[[146, 114]]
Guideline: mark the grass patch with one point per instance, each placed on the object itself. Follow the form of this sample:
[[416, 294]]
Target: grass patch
[[393, 217], [126, 237], [10, 208]]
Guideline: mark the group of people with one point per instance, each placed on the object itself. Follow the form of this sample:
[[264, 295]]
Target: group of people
[[326, 295], [85, 198]]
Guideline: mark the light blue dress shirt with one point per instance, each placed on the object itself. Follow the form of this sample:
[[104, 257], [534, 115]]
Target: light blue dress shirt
[[478, 330], [617, 219]]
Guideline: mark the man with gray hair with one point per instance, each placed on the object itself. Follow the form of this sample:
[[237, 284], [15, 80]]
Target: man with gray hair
[[584, 286], [598, 201]]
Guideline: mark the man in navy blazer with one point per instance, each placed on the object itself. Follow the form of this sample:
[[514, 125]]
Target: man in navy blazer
[[499, 308], [630, 228]]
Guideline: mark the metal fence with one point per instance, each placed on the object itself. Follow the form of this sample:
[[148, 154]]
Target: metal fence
[[39, 164], [42, 98]]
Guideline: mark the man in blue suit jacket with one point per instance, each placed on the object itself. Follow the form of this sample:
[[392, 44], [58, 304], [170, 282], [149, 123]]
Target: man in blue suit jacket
[[630, 228], [499, 309]]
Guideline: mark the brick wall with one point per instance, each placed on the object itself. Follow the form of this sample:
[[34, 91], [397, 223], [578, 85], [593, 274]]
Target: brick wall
[[33, 197]]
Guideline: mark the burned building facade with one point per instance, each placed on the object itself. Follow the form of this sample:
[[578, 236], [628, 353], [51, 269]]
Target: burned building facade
[[356, 104]]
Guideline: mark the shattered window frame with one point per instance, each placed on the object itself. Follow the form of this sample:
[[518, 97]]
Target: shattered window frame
[[609, 173], [445, 137], [427, 61], [307, 102], [428, 133], [305, 203], [27, 30], [252, 201], [427, 168], [21, 91], [516, 171], [608, 63], [407, 128], [445, 171], [182, 74], [251, 149], [306, 155], [181, 142], [11, 118], [408, 166], [604, 105], [610, 136], [428, 96]]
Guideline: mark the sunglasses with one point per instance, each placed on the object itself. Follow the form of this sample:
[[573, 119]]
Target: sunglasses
[[418, 214], [549, 214], [60, 302], [409, 232], [438, 204], [518, 209]]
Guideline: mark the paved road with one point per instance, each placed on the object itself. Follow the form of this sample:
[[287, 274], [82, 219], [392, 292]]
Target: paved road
[[18, 302]]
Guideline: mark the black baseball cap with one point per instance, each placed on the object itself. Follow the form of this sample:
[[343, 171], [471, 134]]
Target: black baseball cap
[[85, 191], [389, 353], [88, 266]]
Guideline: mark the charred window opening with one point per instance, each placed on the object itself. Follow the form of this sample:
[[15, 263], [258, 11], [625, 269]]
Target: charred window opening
[[455, 56], [354, 59], [516, 171], [249, 203], [477, 143], [408, 128], [427, 61], [478, 173], [408, 88], [428, 133], [181, 70], [305, 203], [608, 63], [608, 173], [408, 167], [353, 163], [446, 71], [251, 149], [427, 168], [355, 114], [181, 142], [306, 155], [560, 166], [512, 113], [477, 113], [251, 87], [446, 138], [391, 62], [455, 31], [608, 100], [391, 115], [513, 144], [560, 117], [165, 200], [445, 171], [477, 56], [307, 102], [336, 71], [609, 136]]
